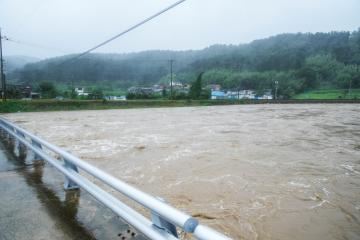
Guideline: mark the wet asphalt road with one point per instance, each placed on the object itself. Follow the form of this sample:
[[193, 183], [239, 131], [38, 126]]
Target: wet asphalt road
[[33, 205]]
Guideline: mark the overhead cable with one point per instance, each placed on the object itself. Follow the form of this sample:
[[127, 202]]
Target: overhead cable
[[126, 31]]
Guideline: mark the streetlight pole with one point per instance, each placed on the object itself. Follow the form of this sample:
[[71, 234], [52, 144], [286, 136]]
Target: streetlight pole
[[2, 75]]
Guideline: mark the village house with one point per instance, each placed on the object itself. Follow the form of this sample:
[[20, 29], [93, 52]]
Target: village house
[[158, 88], [115, 98], [241, 94], [215, 95], [80, 91], [141, 90], [214, 87], [21, 91]]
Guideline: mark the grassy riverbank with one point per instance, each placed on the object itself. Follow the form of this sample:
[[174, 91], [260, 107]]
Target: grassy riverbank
[[330, 94], [71, 105]]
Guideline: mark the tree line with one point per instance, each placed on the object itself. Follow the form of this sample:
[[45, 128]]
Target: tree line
[[298, 62]]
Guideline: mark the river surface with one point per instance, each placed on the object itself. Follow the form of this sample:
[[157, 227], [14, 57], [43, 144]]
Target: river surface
[[250, 171]]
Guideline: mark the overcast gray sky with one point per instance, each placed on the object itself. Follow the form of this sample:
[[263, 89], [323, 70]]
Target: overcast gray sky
[[72, 26]]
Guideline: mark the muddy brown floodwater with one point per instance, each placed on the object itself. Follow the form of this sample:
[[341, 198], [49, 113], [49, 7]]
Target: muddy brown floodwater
[[251, 171]]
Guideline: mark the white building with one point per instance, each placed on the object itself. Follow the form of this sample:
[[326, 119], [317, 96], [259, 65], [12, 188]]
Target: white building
[[115, 98], [242, 94], [80, 91], [247, 94]]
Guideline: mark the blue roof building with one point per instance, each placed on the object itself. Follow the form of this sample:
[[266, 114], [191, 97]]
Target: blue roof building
[[218, 95]]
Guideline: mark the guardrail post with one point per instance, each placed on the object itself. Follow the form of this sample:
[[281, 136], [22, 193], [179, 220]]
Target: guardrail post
[[6, 135], [68, 183], [31, 156], [3, 133], [18, 147], [9, 139], [21, 147], [163, 224]]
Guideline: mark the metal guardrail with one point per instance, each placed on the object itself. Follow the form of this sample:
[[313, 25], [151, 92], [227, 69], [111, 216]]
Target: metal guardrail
[[164, 218]]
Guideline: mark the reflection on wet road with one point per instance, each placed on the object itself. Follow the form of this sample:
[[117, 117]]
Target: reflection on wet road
[[33, 205], [252, 171]]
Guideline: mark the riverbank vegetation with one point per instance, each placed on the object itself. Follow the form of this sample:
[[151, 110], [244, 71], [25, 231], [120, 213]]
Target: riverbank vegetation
[[300, 63], [13, 106], [329, 94]]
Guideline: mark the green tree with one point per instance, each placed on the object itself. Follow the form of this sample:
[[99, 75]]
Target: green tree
[[164, 93], [196, 87], [47, 89], [96, 93], [320, 71], [349, 77]]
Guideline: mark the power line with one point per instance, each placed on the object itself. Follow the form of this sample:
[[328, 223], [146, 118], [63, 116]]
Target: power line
[[165, 61], [32, 44], [126, 31]]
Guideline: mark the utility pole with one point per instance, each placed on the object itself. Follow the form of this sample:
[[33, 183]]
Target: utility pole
[[350, 82], [2, 75], [276, 89], [171, 78]]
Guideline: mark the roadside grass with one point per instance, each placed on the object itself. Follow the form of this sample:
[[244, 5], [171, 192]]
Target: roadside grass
[[329, 94]]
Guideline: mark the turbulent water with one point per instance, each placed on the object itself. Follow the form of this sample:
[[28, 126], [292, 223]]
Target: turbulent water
[[251, 171]]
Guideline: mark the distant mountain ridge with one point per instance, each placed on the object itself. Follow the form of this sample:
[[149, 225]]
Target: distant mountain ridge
[[13, 62], [229, 65]]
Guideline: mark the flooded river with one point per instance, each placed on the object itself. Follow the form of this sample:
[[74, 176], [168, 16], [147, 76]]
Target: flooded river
[[251, 171]]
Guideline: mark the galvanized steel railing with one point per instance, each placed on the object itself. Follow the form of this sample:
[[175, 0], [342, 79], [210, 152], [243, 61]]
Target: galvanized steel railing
[[164, 218]]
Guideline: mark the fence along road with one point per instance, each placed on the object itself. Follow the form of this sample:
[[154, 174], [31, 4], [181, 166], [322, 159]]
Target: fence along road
[[164, 218]]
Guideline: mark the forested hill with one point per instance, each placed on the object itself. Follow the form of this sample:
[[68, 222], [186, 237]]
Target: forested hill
[[298, 61], [17, 61]]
